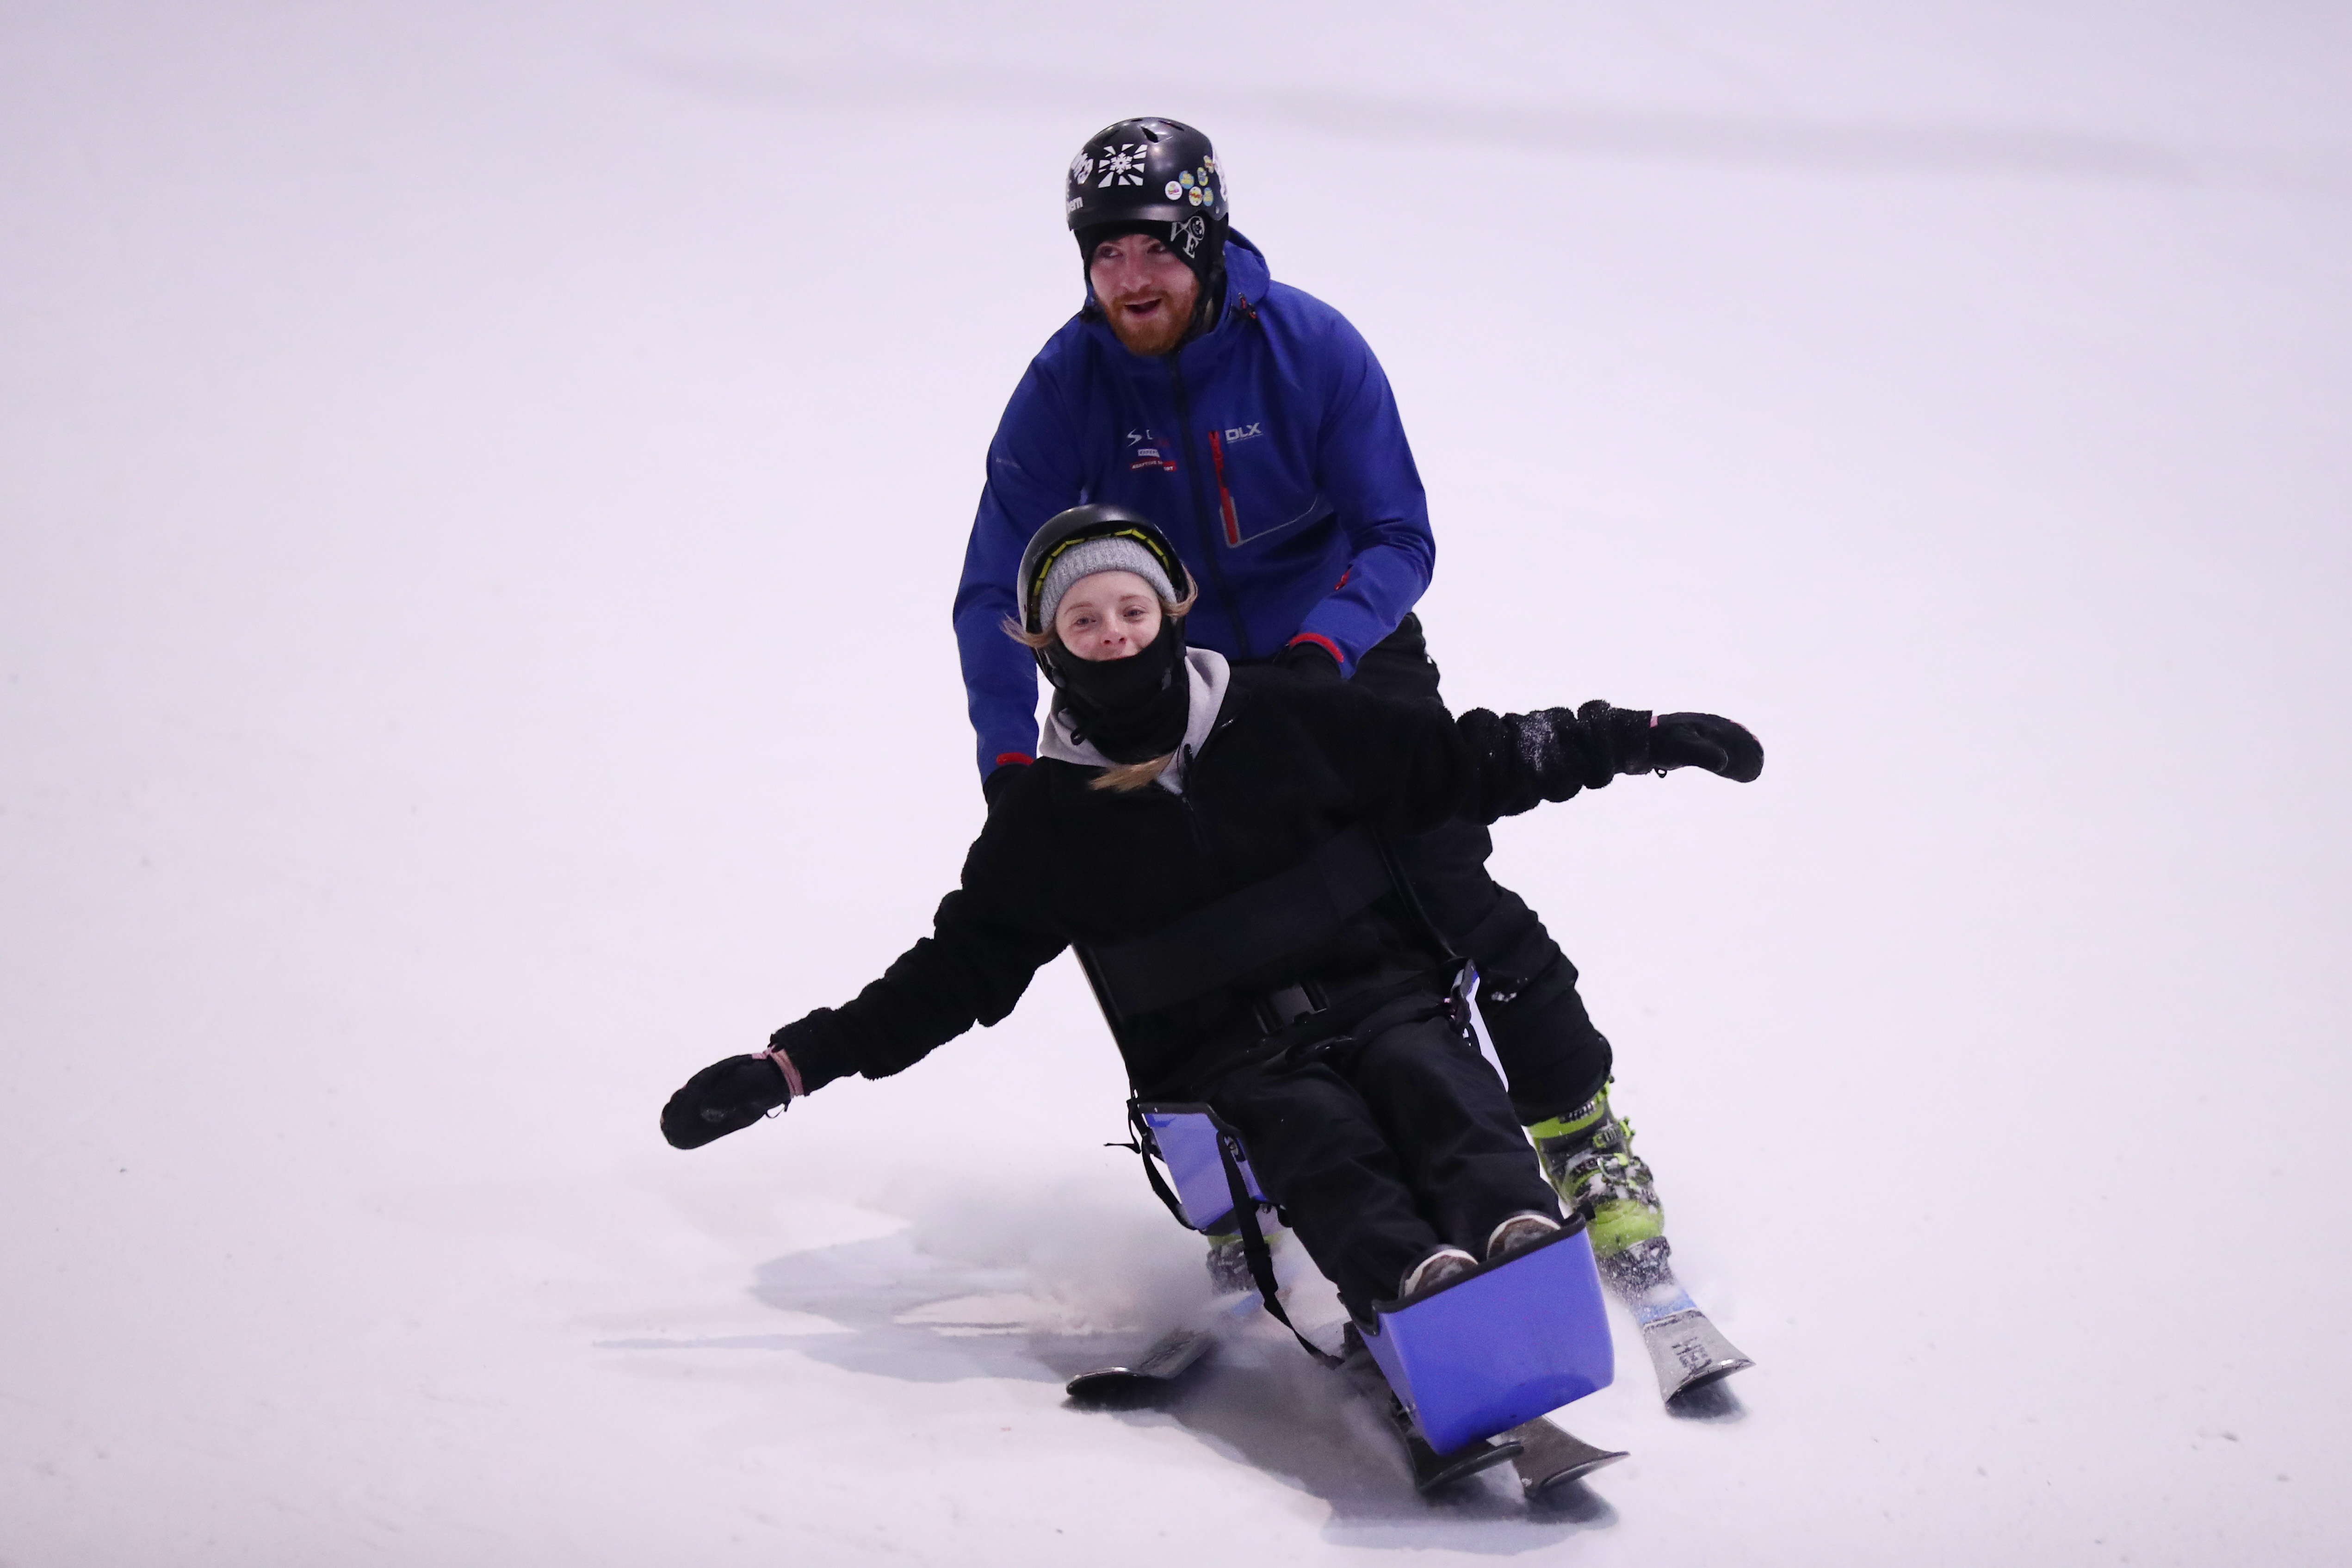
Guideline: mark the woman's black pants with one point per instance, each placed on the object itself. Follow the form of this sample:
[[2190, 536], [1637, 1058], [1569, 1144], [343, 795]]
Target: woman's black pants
[[1383, 1144]]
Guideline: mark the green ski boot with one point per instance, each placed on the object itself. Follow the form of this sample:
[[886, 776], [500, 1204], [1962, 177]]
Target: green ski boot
[[1588, 1156]]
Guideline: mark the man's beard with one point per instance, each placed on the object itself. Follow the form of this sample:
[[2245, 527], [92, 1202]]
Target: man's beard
[[1159, 333]]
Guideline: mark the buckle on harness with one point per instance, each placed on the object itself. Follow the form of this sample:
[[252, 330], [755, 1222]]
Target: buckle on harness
[[1280, 1009]]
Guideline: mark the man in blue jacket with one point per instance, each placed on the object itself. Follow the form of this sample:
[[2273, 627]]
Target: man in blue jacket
[[1253, 423]]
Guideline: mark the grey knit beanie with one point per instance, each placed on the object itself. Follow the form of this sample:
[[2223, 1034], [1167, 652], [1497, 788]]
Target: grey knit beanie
[[1090, 556]]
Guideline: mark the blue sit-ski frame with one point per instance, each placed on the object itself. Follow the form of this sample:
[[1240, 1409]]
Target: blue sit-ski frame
[[1189, 1141], [1490, 1349], [1499, 1345]]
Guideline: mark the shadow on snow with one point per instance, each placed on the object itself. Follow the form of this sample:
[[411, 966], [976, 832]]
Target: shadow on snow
[[1258, 1401]]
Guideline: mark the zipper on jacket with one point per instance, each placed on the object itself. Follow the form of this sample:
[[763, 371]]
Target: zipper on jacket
[[1191, 816], [1192, 770], [1225, 513], [1201, 513]]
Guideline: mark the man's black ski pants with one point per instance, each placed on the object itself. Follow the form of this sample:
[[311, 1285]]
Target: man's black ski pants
[[1552, 1056]]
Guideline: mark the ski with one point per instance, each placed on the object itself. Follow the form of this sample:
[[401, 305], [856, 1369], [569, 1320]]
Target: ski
[[1167, 1359], [1686, 1350], [1432, 1470], [1544, 1456], [1172, 1355], [1549, 1457]]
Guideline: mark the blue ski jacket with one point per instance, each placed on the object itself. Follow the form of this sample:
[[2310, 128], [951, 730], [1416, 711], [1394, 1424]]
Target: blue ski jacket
[[1268, 450]]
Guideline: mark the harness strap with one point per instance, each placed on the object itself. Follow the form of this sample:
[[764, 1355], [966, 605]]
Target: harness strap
[[1245, 930], [1142, 1147], [1254, 1247]]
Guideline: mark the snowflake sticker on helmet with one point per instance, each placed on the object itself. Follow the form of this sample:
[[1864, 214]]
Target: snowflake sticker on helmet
[[1122, 164]]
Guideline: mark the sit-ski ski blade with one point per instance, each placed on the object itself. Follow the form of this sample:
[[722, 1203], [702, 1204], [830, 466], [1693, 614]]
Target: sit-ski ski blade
[[1170, 1357], [1432, 1470], [1549, 1457]]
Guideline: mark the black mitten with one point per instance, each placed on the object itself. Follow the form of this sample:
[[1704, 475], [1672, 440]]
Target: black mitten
[[1001, 777], [1705, 741], [725, 1097], [1308, 660]]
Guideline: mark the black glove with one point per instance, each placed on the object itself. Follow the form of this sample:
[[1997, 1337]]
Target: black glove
[[999, 779], [1308, 661], [725, 1097], [1705, 740]]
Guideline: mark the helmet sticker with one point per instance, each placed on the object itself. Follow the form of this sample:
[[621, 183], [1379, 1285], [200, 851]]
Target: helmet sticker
[[1123, 165], [1115, 179]]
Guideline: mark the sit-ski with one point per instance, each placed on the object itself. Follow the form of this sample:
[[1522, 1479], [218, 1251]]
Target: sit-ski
[[1466, 1370]]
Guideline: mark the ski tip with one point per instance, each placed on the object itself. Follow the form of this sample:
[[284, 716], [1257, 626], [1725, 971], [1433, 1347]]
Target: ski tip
[[1441, 1470], [1113, 1386], [1699, 1380], [1554, 1456], [1688, 1353], [1139, 1381], [1541, 1485]]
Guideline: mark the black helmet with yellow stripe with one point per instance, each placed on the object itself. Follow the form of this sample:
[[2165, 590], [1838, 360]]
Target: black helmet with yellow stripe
[[1057, 546], [1084, 539]]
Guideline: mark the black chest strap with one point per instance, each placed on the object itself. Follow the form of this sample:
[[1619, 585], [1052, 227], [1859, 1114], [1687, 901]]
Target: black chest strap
[[1244, 930]]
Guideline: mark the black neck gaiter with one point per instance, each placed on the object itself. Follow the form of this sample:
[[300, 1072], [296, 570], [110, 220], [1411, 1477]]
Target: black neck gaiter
[[1130, 710]]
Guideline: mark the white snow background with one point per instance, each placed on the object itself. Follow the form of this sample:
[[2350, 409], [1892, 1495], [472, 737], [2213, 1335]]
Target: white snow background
[[480, 491]]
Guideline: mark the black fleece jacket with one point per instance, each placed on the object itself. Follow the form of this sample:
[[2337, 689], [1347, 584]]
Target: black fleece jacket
[[1287, 765]]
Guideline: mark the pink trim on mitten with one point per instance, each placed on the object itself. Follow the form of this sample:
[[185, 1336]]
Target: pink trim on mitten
[[784, 1063]]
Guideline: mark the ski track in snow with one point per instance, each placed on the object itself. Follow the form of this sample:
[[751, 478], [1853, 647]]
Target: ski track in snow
[[444, 448]]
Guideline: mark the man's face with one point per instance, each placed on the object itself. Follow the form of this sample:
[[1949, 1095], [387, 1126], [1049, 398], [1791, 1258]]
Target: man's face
[[1146, 291]]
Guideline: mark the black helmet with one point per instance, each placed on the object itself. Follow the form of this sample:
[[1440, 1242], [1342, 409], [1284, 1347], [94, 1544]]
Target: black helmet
[[1065, 531], [1134, 708], [1138, 174]]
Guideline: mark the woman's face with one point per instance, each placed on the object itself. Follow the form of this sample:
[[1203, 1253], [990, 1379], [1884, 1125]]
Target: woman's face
[[1110, 614]]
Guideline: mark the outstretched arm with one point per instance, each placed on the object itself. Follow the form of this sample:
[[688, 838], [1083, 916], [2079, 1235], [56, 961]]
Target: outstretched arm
[[971, 969], [1414, 767], [1521, 760]]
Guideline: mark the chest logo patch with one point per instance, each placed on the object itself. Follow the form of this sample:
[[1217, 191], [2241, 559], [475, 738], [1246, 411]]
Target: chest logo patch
[[1146, 450]]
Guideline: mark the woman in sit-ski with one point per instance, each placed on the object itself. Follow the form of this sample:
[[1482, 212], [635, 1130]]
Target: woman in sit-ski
[[1210, 837]]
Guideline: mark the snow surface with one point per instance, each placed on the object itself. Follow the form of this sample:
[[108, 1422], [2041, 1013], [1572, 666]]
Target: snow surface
[[455, 460]]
